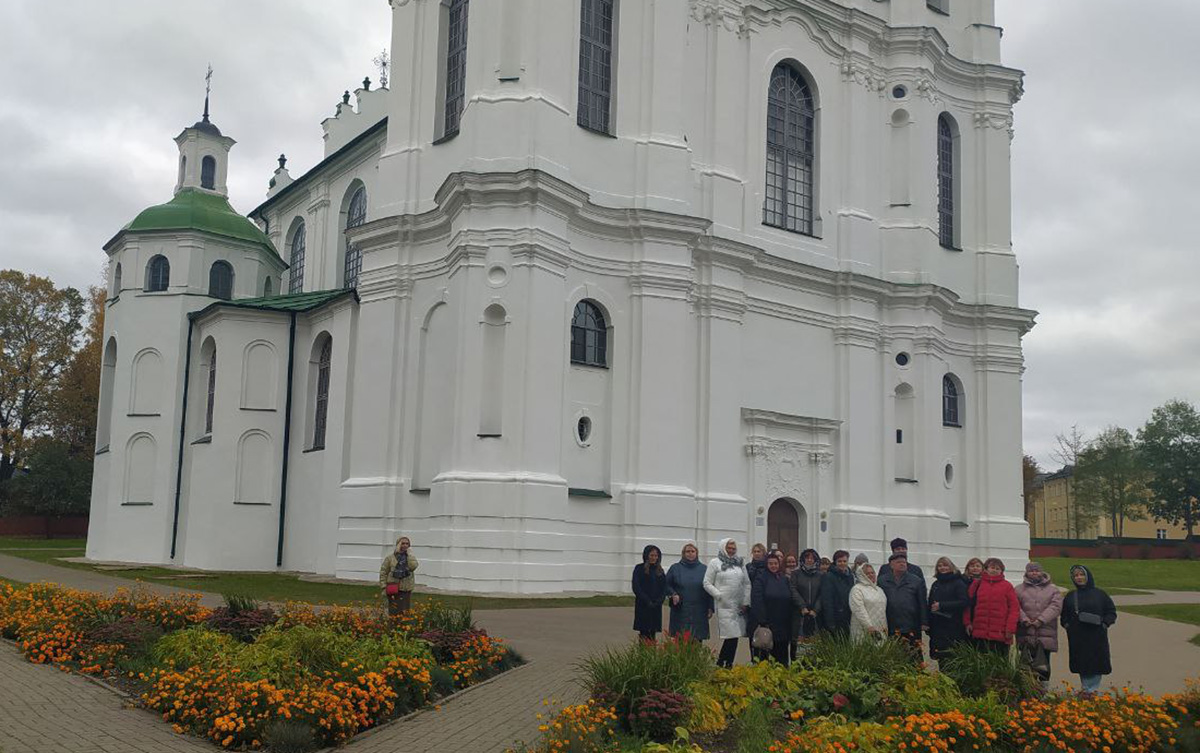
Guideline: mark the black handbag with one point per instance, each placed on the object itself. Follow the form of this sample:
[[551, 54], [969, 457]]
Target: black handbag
[[1090, 618]]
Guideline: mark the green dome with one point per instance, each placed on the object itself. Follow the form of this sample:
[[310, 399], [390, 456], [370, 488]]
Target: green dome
[[193, 209]]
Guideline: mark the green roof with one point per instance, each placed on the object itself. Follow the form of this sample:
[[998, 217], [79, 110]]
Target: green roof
[[193, 209], [298, 302]]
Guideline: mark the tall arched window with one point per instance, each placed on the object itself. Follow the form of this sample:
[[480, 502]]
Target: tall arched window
[[947, 226], [356, 215], [182, 168], [589, 335], [791, 149], [321, 394], [595, 64], [220, 280], [108, 376], [116, 287], [210, 400], [268, 288], [296, 279], [158, 274], [208, 173], [951, 401], [456, 66]]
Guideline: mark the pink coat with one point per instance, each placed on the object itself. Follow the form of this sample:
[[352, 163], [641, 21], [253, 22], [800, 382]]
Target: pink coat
[[1041, 602]]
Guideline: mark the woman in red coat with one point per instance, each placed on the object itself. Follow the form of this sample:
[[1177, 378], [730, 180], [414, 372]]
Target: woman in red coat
[[992, 618]]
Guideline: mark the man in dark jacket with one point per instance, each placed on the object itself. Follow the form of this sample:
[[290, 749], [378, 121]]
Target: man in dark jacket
[[900, 546], [906, 603], [805, 582], [835, 595]]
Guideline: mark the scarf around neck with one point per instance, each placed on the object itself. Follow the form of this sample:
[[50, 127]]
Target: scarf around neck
[[727, 562]]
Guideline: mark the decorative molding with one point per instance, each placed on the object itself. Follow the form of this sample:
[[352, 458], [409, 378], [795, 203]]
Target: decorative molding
[[926, 89], [863, 73], [729, 15]]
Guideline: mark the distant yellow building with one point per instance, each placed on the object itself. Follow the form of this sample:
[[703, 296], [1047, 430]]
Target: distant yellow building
[[1055, 516]]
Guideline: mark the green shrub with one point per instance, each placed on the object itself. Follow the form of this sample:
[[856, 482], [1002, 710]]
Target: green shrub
[[928, 693], [193, 647], [442, 681], [442, 617], [978, 672], [284, 656], [755, 727], [876, 659], [288, 736], [623, 675], [854, 695]]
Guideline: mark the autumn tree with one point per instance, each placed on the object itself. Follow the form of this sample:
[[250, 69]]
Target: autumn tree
[[72, 417], [39, 331], [1169, 444], [1110, 479], [1030, 470], [1068, 447]]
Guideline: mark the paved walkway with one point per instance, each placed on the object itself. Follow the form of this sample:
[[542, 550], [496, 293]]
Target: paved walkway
[[1154, 654]]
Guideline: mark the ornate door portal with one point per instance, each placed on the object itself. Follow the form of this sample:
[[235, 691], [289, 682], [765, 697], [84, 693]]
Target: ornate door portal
[[783, 527]]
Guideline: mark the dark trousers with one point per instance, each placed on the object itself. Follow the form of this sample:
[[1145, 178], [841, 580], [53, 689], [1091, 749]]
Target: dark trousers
[[780, 650], [728, 652], [648, 635], [995, 647], [399, 603]]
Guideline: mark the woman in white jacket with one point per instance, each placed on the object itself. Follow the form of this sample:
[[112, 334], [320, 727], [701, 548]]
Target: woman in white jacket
[[729, 585], [868, 606]]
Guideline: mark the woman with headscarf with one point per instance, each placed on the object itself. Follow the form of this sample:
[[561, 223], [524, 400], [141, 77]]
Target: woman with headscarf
[[1087, 614], [992, 618], [396, 577], [1037, 627], [947, 601], [868, 605], [691, 606], [649, 590], [727, 583], [805, 582], [771, 605]]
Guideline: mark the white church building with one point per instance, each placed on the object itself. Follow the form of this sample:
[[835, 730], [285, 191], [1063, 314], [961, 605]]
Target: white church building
[[590, 274]]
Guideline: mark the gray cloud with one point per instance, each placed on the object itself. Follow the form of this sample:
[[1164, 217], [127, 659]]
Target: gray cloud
[[1103, 161]]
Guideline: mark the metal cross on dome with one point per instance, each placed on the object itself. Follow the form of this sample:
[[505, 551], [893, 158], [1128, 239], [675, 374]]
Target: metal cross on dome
[[383, 63]]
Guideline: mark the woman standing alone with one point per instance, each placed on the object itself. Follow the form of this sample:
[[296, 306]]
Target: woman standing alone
[[726, 581], [691, 606], [396, 577], [1037, 631], [649, 590], [1087, 614]]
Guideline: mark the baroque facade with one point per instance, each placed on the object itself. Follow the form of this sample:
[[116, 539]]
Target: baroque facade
[[588, 275]]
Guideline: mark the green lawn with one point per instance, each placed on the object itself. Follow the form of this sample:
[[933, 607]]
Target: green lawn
[[281, 587], [1162, 575], [13, 542], [1186, 613]]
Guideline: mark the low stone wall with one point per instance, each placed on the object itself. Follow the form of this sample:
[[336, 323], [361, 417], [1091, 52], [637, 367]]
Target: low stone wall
[[45, 526], [1105, 547]]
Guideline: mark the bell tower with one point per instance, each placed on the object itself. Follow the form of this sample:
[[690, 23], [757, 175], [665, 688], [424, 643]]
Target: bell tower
[[204, 153]]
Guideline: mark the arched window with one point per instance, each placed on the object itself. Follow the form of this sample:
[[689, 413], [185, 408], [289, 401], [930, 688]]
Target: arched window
[[212, 391], [356, 215], [296, 279], [321, 401], [108, 376], [456, 66], [220, 280], [595, 64], [946, 169], [268, 288], [116, 287], [208, 173], [589, 335], [791, 149], [182, 168], [158, 274], [951, 401]]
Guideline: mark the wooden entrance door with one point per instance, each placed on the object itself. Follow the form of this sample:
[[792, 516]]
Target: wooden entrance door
[[783, 527]]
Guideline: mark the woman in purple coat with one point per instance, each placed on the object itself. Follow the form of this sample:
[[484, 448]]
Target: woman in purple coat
[[1037, 625]]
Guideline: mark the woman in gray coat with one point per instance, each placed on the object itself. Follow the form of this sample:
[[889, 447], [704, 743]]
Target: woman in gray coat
[[691, 606], [1037, 625]]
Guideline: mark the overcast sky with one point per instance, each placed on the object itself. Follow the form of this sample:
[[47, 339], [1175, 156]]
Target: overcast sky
[[1104, 162]]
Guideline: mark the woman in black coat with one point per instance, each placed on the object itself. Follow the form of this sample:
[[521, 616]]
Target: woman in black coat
[[948, 600], [649, 590], [1087, 614], [771, 606]]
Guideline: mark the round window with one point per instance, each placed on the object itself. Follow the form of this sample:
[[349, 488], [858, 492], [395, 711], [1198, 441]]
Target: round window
[[583, 429], [899, 92], [902, 359]]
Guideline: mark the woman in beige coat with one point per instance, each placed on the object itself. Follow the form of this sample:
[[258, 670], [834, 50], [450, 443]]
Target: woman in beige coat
[[396, 577]]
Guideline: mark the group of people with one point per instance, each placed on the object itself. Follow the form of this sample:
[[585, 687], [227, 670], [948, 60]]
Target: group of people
[[779, 601]]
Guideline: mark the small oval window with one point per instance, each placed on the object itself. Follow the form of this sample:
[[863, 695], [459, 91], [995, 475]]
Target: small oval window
[[583, 429], [899, 92], [949, 472], [902, 359]]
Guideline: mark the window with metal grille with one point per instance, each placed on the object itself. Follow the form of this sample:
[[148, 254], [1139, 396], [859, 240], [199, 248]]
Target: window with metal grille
[[945, 172], [951, 398], [158, 274], [296, 278], [220, 280], [212, 392], [356, 215], [456, 65], [595, 64], [791, 150], [208, 173], [589, 335], [320, 416]]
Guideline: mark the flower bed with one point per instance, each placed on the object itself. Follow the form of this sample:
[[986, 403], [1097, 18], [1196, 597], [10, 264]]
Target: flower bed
[[844, 697], [243, 675]]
